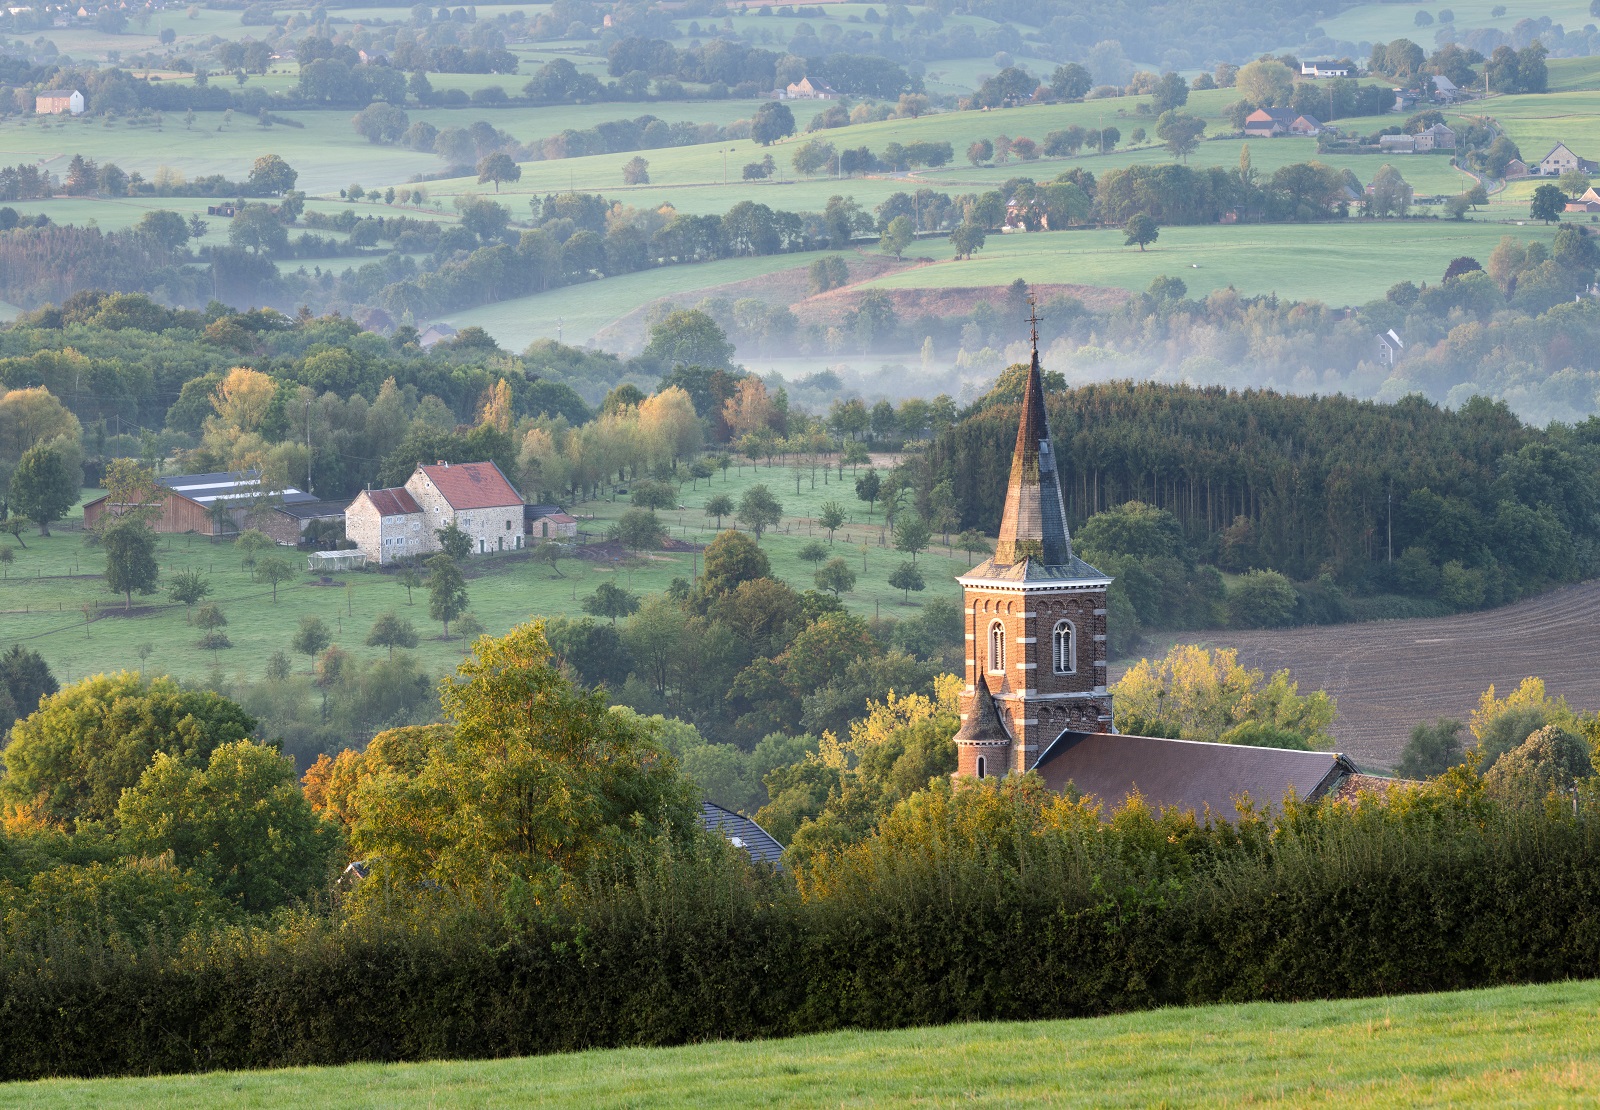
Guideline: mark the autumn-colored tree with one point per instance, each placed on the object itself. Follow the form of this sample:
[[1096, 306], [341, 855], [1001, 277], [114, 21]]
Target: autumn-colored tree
[[536, 783], [749, 409], [1198, 694]]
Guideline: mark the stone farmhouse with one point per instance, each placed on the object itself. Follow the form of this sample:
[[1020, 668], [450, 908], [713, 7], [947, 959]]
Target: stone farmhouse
[[398, 523], [59, 103], [1036, 698], [1561, 159]]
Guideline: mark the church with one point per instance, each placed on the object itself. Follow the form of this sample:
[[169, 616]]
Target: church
[[1036, 697]]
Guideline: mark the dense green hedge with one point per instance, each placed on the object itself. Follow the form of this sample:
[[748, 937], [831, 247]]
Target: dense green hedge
[[1149, 913]]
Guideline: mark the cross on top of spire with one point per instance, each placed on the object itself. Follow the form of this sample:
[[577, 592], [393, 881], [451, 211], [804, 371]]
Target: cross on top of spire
[[1033, 323]]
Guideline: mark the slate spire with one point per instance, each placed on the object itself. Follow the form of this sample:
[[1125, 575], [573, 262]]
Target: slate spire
[[1034, 524]]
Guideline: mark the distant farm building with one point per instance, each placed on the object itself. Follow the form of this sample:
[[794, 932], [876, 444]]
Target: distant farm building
[[807, 89], [59, 103], [211, 504], [1325, 69], [1267, 122], [548, 522]]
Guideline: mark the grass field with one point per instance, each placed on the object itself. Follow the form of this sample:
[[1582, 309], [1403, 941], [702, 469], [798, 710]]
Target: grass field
[[1356, 260], [1381, 22], [1512, 1046], [577, 312], [52, 578]]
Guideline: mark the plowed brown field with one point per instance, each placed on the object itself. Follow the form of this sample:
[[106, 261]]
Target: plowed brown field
[[1389, 675]]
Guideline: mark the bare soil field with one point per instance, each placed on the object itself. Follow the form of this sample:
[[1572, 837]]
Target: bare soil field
[[1388, 675]]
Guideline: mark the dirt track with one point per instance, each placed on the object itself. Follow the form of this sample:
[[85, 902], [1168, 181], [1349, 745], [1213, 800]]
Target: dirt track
[[1388, 675]]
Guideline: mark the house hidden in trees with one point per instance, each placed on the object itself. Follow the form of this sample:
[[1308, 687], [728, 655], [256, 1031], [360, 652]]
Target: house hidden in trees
[[398, 523], [1390, 347], [435, 333], [59, 103], [742, 833], [229, 501], [1035, 697], [1561, 159]]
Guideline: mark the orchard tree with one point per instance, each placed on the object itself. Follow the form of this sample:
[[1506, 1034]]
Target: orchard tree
[[410, 579], [391, 631], [907, 577], [759, 510], [131, 565], [831, 517], [869, 486], [187, 587], [312, 637], [611, 601], [980, 152], [44, 487], [639, 530], [719, 506], [911, 534], [447, 591], [275, 569], [836, 577], [549, 553]]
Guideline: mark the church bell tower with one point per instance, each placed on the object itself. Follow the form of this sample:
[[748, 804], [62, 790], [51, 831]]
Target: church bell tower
[[1035, 618]]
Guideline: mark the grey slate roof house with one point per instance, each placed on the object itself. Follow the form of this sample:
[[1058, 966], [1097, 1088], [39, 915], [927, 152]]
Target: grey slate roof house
[[741, 832]]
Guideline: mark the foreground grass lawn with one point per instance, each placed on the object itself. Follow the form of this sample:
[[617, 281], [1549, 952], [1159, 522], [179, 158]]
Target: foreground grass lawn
[[1519, 1046]]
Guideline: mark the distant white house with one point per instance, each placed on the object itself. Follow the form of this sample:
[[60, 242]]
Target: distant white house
[[1390, 347], [1325, 69], [59, 103]]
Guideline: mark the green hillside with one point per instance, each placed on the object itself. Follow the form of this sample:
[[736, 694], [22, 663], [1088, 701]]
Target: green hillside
[[1514, 1046]]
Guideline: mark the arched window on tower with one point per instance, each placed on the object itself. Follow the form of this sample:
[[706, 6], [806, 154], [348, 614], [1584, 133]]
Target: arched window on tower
[[997, 648], [1065, 649], [982, 769]]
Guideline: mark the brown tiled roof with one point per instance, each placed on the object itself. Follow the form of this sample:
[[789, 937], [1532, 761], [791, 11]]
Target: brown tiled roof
[[1352, 786], [1187, 774], [477, 485], [393, 502], [558, 518]]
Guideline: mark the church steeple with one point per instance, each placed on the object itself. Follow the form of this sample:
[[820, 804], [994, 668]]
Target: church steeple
[[1034, 523], [1036, 618]]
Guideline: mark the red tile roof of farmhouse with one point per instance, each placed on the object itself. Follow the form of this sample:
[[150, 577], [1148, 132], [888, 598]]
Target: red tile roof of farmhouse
[[393, 502], [472, 485]]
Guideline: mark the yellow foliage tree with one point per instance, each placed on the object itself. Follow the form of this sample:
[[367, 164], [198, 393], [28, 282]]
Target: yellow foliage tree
[[242, 399], [1206, 695], [33, 416], [1529, 695], [749, 409], [495, 406]]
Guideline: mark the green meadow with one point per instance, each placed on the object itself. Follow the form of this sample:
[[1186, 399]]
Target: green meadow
[[575, 313], [45, 590], [1336, 263], [1511, 1046]]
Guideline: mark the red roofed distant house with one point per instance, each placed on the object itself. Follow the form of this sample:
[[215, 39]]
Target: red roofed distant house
[[1267, 122], [391, 524]]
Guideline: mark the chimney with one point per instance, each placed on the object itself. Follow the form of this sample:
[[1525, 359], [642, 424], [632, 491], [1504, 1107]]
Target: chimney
[[441, 462]]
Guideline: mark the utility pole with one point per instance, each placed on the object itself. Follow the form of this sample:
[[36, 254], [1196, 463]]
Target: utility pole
[[308, 446]]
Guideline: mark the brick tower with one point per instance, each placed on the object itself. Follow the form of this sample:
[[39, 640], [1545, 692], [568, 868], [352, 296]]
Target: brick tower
[[1036, 618]]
